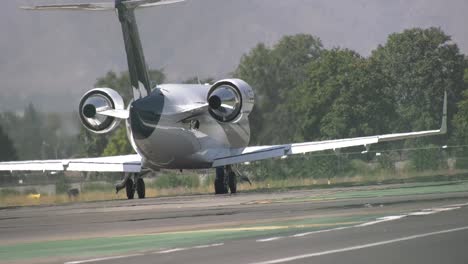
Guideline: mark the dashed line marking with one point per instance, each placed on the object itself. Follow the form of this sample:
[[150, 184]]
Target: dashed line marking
[[170, 250], [102, 259], [443, 209], [382, 219], [387, 219], [385, 242], [269, 239], [208, 246], [320, 231], [421, 213]]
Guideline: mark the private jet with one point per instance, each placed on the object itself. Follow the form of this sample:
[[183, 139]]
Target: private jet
[[178, 126]]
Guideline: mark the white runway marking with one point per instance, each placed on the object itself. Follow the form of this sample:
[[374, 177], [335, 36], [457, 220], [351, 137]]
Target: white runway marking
[[320, 231], [328, 252], [443, 209], [382, 219], [208, 246], [422, 213], [170, 250], [268, 239], [102, 259], [434, 210], [141, 254]]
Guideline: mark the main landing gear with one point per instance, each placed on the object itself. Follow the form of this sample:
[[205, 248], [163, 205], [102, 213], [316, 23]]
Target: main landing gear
[[226, 179], [131, 185]]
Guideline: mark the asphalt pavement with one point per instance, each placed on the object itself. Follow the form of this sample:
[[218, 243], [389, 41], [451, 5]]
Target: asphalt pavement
[[411, 223]]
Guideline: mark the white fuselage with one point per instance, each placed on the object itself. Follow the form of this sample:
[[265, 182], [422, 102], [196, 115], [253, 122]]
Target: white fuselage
[[185, 135]]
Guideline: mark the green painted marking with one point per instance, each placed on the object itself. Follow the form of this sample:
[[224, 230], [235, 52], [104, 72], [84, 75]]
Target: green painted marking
[[125, 244], [434, 188]]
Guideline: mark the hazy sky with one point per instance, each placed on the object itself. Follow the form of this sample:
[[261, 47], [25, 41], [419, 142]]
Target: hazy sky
[[52, 58]]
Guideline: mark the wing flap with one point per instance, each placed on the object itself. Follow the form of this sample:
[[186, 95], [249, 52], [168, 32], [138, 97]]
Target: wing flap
[[125, 163], [252, 154]]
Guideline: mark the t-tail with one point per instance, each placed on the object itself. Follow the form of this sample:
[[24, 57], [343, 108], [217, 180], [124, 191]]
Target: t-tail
[[137, 67]]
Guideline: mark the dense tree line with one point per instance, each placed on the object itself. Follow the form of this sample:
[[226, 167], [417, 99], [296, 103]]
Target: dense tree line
[[305, 92], [36, 135], [316, 93]]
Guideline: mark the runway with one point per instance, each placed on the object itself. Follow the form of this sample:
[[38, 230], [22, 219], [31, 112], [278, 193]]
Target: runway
[[411, 223]]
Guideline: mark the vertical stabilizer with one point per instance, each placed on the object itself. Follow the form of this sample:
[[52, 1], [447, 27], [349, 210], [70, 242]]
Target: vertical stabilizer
[[137, 68]]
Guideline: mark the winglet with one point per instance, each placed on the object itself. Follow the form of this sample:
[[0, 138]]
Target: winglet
[[443, 127]]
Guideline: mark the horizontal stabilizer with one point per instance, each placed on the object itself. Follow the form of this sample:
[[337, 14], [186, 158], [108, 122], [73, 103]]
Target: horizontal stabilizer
[[102, 6], [88, 7], [150, 3]]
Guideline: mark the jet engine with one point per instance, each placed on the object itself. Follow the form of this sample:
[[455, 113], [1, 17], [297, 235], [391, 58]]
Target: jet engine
[[230, 99], [96, 101]]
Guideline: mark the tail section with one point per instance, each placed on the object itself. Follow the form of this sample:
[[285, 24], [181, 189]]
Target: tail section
[[137, 68]]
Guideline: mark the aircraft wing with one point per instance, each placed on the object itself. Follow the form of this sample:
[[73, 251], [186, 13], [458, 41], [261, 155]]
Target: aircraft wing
[[264, 152], [126, 163]]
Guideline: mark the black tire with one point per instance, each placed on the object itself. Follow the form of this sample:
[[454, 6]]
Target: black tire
[[140, 188], [220, 183], [130, 189], [232, 182]]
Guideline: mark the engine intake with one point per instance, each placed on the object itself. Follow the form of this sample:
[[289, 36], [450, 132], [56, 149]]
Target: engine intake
[[95, 101], [229, 99]]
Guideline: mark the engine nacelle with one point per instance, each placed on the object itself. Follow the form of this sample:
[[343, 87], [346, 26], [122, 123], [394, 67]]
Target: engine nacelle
[[230, 99], [96, 100]]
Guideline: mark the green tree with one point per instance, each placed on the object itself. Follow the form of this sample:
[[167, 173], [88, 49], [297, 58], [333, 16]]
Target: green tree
[[460, 125], [428, 158], [118, 143], [417, 66], [272, 72], [29, 134], [340, 98], [7, 149], [91, 144]]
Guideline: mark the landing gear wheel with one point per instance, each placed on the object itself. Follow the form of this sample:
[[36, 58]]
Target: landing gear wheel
[[232, 182], [140, 188], [220, 183], [130, 189]]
